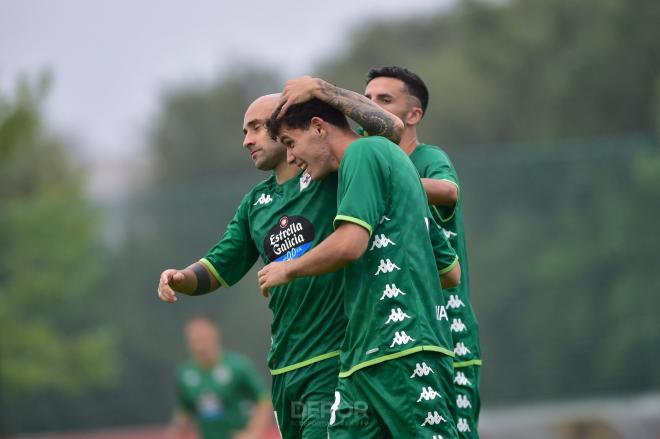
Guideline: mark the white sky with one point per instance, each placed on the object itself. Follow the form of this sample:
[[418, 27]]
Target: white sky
[[111, 58]]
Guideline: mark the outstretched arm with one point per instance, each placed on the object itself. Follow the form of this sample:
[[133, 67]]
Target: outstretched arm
[[344, 245], [375, 120]]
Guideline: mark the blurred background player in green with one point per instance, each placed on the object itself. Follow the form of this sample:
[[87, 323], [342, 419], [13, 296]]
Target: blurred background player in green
[[281, 219], [218, 392], [403, 93]]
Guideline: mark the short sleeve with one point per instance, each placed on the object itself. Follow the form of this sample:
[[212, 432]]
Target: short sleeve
[[233, 256], [437, 166], [363, 186], [445, 255]]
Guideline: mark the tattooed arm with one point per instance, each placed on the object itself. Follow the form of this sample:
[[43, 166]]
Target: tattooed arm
[[375, 120]]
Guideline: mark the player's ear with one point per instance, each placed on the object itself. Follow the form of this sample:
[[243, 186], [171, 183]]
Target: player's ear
[[414, 116], [318, 125]]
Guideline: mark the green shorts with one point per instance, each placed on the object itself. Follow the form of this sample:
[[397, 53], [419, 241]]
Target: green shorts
[[468, 401], [302, 399], [408, 397]]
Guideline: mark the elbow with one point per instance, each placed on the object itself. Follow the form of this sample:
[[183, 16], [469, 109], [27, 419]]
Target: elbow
[[452, 278], [352, 251], [452, 195]]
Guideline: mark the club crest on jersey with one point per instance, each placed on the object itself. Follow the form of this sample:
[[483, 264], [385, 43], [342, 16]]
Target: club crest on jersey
[[289, 239], [305, 179]]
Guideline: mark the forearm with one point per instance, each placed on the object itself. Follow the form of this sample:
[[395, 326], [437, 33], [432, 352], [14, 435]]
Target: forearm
[[261, 419], [368, 115], [329, 256], [197, 280], [440, 192]]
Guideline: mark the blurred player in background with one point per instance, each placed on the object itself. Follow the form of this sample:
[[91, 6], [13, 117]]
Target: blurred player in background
[[281, 219], [404, 94], [218, 392], [396, 367]]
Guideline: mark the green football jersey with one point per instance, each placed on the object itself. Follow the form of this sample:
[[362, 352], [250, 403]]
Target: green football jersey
[[394, 301], [432, 162], [278, 223], [220, 399]]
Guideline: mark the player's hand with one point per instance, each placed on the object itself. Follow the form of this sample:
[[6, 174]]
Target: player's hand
[[169, 279], [245, 434], [272, 275], [296, 91]]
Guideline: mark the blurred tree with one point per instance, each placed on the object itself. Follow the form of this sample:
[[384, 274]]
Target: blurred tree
[[50, 266], [198, 132]]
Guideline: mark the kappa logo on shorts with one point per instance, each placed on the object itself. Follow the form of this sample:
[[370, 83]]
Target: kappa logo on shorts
[[401, 338], [457, 325], [461, 350], [461, 379], [421, 370], [386, 266], [391, 291], [462, 402], [433, 419], [462, 425], [454, 302], [381, 241], [428, 394], [448, 233], [396, 315], [263, 199]]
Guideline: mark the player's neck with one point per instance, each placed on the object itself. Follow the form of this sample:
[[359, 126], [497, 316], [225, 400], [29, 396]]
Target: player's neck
[[341, 142], [285, 172], [409, 140]]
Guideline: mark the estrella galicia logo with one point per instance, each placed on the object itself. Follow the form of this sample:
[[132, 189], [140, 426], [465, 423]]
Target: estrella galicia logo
[[289, 239]]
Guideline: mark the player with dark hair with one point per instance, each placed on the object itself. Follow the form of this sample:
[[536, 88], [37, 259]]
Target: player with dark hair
[[396, 369], [403, 93], [281, 219]]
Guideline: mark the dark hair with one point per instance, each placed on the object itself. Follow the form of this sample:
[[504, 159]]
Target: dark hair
[[413, 82], [299, 116]]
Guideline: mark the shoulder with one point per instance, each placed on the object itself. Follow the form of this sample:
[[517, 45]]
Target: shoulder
[[258, 191], [430, 151], [236, 361]]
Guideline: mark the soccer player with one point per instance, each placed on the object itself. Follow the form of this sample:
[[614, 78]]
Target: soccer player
[[396, 361], [404, 94], [280, 219], [218, 391]]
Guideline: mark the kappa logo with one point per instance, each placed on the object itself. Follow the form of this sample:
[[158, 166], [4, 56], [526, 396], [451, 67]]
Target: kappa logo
[[448, 233], [462, 425], [386, 266], [391, 291], [401, 338], [437, 436], [433, 419], [381, 241], [334, 407], [428, 394], [305, 179], [457, 325], [463, 402], [461, 350], [263, 199], [396, 315], [421, 370], [461, 379], [384, 219], [454, 302]]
